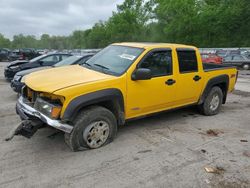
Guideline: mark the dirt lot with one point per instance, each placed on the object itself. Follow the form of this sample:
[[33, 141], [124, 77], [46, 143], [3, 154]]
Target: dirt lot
[[167, 150]]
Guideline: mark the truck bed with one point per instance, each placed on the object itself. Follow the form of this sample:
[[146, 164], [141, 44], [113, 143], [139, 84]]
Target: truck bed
[[211, 67]]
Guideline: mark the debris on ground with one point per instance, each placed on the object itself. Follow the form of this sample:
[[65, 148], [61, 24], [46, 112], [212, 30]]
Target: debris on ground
[[213, 132], [145, 151], [243, 140], [246, 153], [214, 170], [203, 151]]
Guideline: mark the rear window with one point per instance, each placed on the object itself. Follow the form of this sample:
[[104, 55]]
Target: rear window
[[187, 61]]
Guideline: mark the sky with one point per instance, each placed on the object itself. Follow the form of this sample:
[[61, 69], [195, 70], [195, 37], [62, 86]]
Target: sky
[[54, 17]]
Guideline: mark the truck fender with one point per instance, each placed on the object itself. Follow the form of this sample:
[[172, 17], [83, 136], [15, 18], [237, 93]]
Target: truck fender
[[222, 81], [112, 95]]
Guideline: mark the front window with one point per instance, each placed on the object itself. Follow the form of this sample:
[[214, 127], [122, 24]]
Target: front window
[[114, 59]]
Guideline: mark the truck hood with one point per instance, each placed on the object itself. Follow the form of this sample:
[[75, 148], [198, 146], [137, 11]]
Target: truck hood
[[54, 79]]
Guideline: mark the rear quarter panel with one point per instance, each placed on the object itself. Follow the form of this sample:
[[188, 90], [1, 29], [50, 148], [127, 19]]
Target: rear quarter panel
[[231, 72]]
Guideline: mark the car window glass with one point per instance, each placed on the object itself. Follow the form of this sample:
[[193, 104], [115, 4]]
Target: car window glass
[[228, 58], [50, 60], [187, 61], [64, 57], [238, 57], [159, 62], [83, 60]]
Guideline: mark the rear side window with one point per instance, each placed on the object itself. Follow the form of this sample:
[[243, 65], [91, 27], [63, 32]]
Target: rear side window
[[187, 61]]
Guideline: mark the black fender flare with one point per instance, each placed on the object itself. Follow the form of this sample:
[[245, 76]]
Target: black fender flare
[[112, 95], [218, 80]]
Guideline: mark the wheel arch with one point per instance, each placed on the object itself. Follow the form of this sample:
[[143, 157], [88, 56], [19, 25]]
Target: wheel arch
[[112, 99], [221, 81]]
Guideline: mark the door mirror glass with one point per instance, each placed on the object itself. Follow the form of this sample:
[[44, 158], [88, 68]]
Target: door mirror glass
[[141, 74]]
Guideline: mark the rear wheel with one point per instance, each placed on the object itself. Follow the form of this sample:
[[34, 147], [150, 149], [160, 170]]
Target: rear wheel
[[94, 127], [212, 103]]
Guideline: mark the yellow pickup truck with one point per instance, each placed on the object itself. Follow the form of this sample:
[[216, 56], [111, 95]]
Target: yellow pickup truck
[[123, 81]]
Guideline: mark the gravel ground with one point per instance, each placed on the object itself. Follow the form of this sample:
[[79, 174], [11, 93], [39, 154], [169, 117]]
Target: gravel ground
[[166, 150]]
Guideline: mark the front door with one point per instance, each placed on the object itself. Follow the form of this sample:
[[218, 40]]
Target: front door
[[156, 94]]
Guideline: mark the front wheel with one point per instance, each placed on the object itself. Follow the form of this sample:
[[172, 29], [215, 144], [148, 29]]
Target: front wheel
[[94, 127], [213, 102]]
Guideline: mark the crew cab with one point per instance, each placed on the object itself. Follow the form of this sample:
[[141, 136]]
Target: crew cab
[[122, 82]]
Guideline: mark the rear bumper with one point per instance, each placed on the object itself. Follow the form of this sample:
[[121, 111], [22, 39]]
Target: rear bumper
[[16, 86], [27, 112]]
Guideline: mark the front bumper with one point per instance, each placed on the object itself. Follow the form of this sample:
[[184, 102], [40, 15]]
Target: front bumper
[[26, 112], [16, 86]]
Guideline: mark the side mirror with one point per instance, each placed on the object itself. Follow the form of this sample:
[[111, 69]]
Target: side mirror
[[141, 74], [40, 62]]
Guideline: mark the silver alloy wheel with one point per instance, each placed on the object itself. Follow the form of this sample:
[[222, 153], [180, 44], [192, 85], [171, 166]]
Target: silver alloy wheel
[[96, 134], [246, 66], [214, 102]]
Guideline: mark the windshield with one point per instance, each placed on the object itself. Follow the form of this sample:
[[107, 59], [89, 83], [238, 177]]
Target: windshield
[[68, 61], [114, 59], [37, 58]]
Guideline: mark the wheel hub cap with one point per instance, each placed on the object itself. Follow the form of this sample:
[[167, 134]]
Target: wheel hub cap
[[96, 134], [214, 102]]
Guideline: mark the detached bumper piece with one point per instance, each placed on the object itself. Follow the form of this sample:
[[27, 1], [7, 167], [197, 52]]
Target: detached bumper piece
[[26, 128]]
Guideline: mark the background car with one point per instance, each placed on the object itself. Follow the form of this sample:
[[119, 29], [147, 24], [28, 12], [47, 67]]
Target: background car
[[211, 58], [40, 61], [237, 60], [4, 54], [17, 82], [224, 53]]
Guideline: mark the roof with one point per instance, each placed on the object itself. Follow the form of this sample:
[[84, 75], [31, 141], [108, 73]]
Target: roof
[[147, 45]]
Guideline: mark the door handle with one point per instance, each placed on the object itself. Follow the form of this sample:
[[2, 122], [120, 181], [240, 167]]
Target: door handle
[[196, 78], [170, 82]]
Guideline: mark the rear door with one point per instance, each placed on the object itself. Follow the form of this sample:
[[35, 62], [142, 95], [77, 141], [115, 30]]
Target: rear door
[[189, 80]]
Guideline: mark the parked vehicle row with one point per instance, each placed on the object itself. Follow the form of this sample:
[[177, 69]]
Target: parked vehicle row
[[40, 61], [235, 59], [18, 81], [18, 54], [122, 82]]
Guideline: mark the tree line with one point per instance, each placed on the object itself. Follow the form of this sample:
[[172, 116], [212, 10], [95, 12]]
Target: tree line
[[204, 23]]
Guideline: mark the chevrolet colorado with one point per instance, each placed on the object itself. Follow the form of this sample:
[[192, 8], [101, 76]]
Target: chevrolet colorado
[[123, 81]]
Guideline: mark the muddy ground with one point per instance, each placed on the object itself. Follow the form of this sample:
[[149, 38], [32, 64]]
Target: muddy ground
[[167, 150]]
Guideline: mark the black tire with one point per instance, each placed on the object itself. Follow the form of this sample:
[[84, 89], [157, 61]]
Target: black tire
[[206, 108], [76, 139]]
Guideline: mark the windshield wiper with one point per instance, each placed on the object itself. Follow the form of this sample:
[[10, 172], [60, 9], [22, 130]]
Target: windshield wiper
[[86, 64], [98, 65]]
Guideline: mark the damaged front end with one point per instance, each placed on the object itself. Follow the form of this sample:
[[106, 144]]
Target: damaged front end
[[33, 110]]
